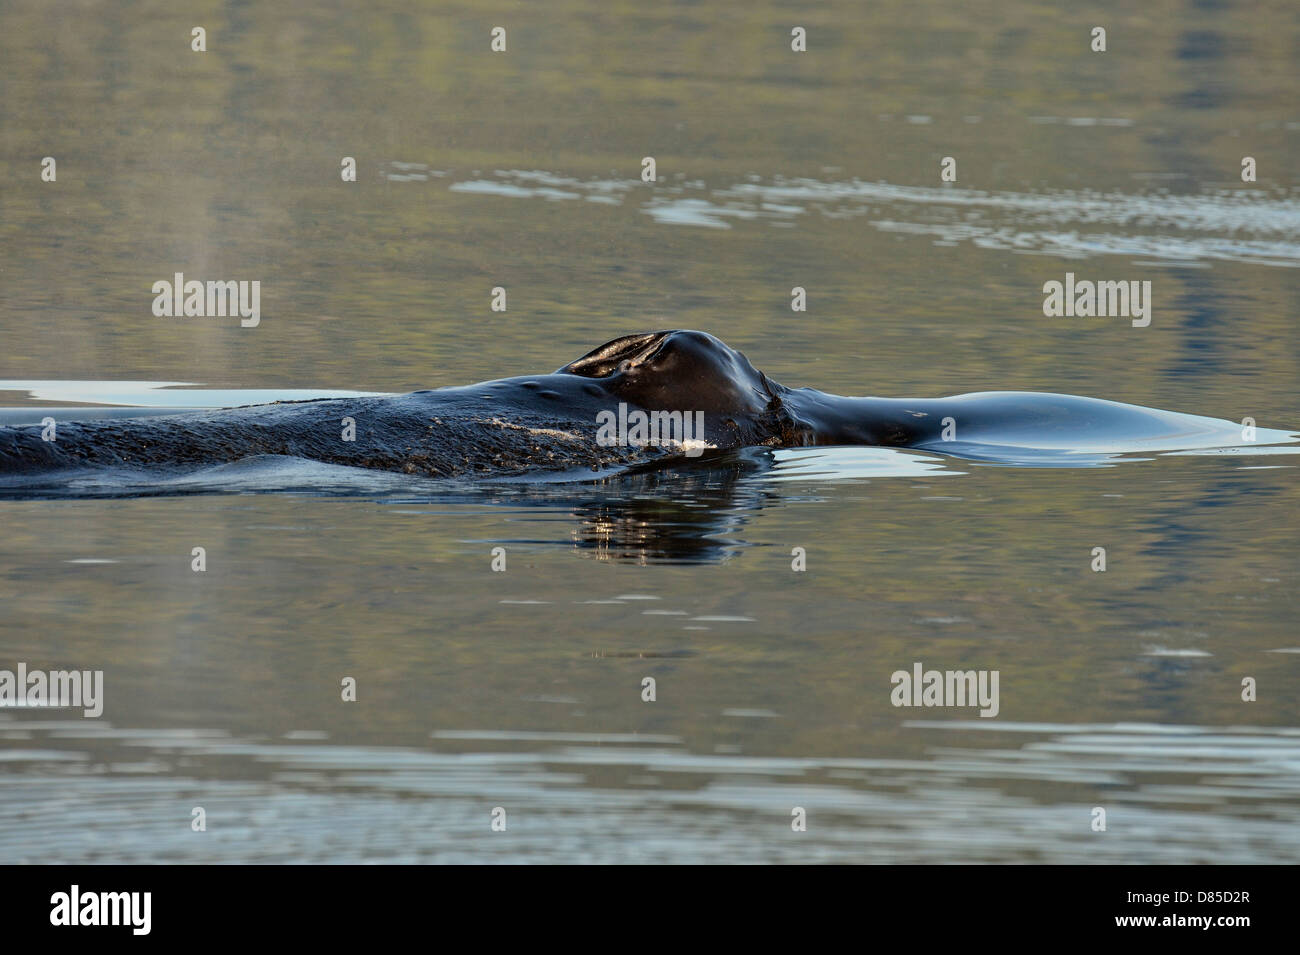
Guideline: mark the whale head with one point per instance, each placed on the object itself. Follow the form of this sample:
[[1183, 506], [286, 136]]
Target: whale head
[[678, 370]]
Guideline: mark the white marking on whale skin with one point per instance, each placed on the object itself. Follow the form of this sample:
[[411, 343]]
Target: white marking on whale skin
[[549, 432], [691, 445], [694, 444]]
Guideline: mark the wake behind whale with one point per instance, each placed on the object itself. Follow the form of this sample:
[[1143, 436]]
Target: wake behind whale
[[637, 403]]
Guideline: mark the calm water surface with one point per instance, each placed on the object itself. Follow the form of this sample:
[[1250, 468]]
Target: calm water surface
[[479, 689]]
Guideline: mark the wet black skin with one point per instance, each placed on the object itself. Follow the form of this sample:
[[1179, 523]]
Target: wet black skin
[[548, 423], [694, 371], [688, 370], [507, 427]]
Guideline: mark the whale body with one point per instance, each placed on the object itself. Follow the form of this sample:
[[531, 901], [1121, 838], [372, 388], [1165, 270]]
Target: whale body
[[552, 423]]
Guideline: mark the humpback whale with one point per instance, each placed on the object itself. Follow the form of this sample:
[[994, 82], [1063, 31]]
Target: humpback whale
[[549, 424]]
